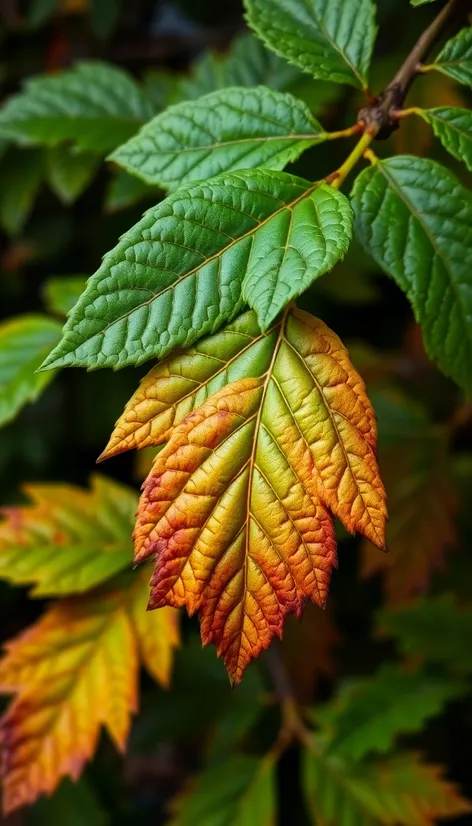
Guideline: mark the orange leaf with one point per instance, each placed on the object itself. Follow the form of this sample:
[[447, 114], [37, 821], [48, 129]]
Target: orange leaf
[[235, 505], [75, 670]]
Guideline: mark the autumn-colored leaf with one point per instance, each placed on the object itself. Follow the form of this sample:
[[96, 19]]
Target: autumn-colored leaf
[[422, 510], [73, 671], [236, 505], [69, 540]]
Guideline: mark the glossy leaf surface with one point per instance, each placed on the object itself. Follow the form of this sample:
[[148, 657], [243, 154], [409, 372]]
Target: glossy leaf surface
[[178, 273], [453, 127], [330, 40], [455, 59], [235, 506], [235, 128], [415, 219]]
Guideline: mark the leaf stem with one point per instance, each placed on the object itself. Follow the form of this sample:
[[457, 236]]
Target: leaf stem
[[336, 179], [292, 726], [345, 133]]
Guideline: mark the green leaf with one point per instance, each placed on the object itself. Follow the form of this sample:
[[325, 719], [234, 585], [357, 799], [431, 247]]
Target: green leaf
[[95, 105], [62, 292], [39, 11], [23, 343], [177, 274], [370, 716], [420, 2], [236, 128], [69, 540], [438, 630], [240, 792], [285, 270], [104, 16], [126, 190], [399, 792], [453, 126], [455, 59], [329, 39], [69, 172], [247, 63], [21, 174], [74, 804], [415, 219]]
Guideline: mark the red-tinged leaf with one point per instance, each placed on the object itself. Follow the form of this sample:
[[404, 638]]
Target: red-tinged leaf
[[75, 670], [422, 517], [157, 633], [68, 540], [235, 506]]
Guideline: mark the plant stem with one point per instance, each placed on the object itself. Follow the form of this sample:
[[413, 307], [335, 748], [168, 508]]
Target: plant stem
[[293, 727], [336, 179], [345, 133], [382, 112]]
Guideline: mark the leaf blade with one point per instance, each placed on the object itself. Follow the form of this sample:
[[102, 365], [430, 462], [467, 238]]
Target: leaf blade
[[455, 59], [23, 342], [177, 274], [338, 37], [453, 126], [424, 250], [235, 128]]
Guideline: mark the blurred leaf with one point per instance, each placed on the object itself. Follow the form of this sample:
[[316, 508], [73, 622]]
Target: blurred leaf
[[241, 792], [62, 292], [197, 673], [96, 105], [372, 714], [232, 727], [40, 11], [126, 190], [420, 2], [69, 540], [422, 507], [437, 630], [72, 804], [21, 174], [69, 172], [308, 649], [23, 342], [104, 16], [402, 791], [73, 671]]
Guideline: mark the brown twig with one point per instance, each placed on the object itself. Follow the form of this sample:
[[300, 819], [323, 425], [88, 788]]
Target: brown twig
[[381, 114], [293, 727]]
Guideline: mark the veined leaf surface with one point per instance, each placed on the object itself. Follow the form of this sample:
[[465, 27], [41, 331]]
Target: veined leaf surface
[[177, 274], [330, 39], [415, 219], [69, 540], [453, 126], [455, 59], [235, 506], [72, 672], [235, 128], [181, 383]]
